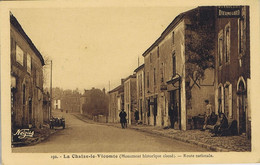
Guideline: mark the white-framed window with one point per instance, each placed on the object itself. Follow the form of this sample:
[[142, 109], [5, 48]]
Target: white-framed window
[[227, 43], [240, 35], [29, 63], [220, 47], [228, 100], [19, 55]]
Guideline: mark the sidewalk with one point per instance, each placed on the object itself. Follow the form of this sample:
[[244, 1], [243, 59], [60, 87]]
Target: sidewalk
[[202, 138], [39, 135]]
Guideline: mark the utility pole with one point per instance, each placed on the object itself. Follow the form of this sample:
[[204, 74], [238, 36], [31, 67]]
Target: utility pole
[[51, 91], [109, 85]]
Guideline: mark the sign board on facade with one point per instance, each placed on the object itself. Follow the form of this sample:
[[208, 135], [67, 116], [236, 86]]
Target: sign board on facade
[[13, 82], [229, 11]]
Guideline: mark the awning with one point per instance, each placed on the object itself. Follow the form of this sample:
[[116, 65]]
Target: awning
[[174, 79]]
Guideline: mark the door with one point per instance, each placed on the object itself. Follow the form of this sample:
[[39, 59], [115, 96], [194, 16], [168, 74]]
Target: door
[[30, 111], [155, 110], [174, 110], [242, 107]]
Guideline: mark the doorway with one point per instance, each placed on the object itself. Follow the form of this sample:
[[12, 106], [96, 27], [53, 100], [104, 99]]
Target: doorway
[[174, 110], [155, 110], [242, 107]]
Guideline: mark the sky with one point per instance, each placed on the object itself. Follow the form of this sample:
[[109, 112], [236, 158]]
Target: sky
[[94, 46]]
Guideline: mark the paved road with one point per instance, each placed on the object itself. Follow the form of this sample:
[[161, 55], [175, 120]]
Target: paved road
[[80, 136]]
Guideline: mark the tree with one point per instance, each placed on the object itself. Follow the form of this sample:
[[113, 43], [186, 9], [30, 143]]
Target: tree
[[200, 44], [96, 102]]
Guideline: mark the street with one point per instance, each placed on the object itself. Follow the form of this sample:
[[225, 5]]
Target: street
[[79, 136]]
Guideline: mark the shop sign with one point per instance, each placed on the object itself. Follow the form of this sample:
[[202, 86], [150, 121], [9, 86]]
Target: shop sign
[[229, 11]]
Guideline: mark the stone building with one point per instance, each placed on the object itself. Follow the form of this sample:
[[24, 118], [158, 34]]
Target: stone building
[[140, 94], [233, 65], [130, 103], [26, 79], [116, 103], [70, 101], [167, 82]]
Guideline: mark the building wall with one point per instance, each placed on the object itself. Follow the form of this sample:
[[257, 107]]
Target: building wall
[[130, 103], [27, 106], [113, 107], [140, 96], [236, 70], [178, 48]]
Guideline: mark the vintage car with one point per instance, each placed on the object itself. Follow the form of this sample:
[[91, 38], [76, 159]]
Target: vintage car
[[57, 122]]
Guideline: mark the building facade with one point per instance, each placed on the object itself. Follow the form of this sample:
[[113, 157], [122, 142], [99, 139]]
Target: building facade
[[56, 104], [130, 103], [233, 65], [170, 92], [26, 79], [140, 94], [116, 103], [70, 102]]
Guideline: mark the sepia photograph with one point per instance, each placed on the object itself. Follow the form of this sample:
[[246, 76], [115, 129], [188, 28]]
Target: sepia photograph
[[137, 82]]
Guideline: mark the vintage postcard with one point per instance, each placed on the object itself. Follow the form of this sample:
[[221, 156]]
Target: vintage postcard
[[132, 82]]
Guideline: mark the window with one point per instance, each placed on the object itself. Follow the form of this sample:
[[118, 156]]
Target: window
[[220, 47], [241, 34], [154, 76], [173, 38], [29, 63], [162, 72], [140, 84], [227, 43], [220, 102], [173, 64], [228, 100], [148, 80], [19, 55], [150, 57], [158, 51], [37, 78]]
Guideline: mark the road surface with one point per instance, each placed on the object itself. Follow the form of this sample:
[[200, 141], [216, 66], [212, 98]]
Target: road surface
[[79, 136]]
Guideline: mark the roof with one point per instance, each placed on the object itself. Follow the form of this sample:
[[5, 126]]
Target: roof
[[173, 24], [117, 88], [131, 76], [17, 25], [139, 68]]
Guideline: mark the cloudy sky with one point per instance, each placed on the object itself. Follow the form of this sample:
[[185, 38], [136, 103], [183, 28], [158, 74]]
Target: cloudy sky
[[91, 46]]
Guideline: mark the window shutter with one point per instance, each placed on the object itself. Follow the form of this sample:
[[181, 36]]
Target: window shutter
[[230, 100]]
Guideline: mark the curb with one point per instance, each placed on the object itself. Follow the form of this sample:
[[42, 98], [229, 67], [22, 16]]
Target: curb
[[203, 145]]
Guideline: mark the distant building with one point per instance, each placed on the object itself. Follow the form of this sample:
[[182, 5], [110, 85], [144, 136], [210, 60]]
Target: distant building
[[26, 79], [140, 94], [116, 103], [70, 102], [232, 63], [130, 102], [56, 104]]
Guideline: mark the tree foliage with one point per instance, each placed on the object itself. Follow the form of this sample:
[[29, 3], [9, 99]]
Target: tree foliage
[[200, 43], [95, 102]]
